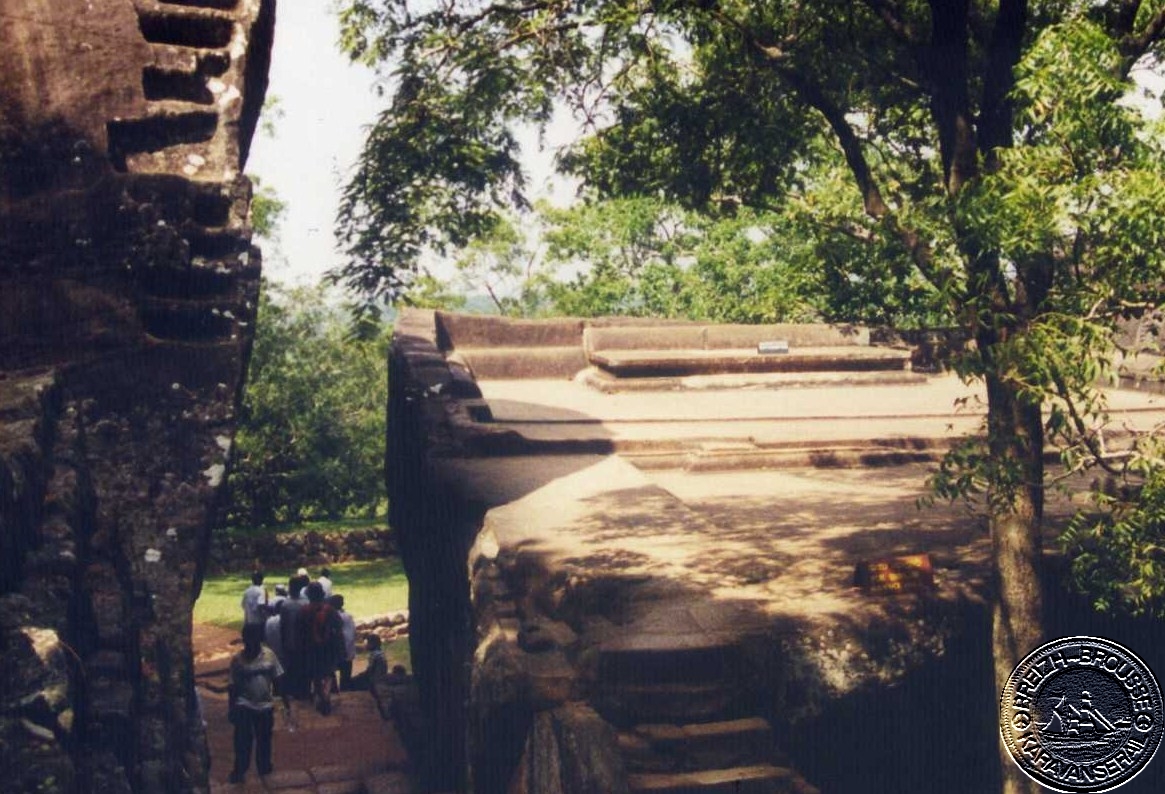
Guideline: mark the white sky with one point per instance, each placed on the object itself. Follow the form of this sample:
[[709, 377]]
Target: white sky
[[326, 102]]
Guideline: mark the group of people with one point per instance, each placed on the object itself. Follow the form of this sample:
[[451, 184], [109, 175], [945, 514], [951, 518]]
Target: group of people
[[294, 643], [307, 628]]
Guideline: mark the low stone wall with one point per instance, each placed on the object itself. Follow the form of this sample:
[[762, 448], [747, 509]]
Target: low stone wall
[[509, 349], [288, 551]]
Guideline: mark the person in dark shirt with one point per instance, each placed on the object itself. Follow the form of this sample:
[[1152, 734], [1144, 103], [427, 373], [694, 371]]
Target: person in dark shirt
[[349, 634], [322, 641], [296, 680]]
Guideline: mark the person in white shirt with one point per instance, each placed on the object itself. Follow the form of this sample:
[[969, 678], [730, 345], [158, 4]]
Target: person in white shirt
[[255, 602], [273, 638], [277, 599], [325, 580], [251, 699]]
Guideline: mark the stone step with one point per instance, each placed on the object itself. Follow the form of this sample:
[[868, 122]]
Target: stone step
[[695, 746], [219, 243], [194, 283], [187, 320], [693, 336], [760, 779], [516, 363], [190, 60], [680, 362], [168, 124], [222, 4], [161, 85], [832, 457], [662, 659], [609, 383], [638, 703], [186, 26]]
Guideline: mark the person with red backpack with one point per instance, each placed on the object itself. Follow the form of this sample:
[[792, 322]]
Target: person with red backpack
[[322, 641]]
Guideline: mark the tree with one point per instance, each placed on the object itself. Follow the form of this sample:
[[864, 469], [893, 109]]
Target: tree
[[641, 255], [990, 158], [309, 444], [503, 263], [644, 256], [267, 211]]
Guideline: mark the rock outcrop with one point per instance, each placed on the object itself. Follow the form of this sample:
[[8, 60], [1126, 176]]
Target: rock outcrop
[[633, 551], [128, 289]]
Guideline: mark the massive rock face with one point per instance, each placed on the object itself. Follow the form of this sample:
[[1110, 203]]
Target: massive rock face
[[128, 287]]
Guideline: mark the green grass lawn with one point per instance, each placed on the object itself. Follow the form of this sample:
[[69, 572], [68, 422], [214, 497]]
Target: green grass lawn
[[370, 588]]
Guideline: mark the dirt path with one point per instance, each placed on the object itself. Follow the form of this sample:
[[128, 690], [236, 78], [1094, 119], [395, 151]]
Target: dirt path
[[350, 751]]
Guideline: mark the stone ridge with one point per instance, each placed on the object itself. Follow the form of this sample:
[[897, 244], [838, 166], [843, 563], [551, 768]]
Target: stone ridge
[[128, 294]]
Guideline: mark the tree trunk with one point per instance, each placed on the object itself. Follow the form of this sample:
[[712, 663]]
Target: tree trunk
[[1016, 437]]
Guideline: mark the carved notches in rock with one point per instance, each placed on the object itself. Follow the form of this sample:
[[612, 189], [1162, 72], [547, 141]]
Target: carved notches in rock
[[195, 273], [204, 88]]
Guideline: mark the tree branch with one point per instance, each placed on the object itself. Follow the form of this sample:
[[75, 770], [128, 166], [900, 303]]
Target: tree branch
[[851, 146], [891, 17], [771, 52], [996, 114], [466, 23], [813, 95], [1133, 46], [950, 100]]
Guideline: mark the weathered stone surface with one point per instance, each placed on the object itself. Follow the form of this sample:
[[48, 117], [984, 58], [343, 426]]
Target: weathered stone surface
[[128, 288], [713, 592], [36, 710], [544, 635], [389, 783], [355, 786], [288, 778], [333, 773], [710, 745], [678, 362], [739, 780], [571, 750]]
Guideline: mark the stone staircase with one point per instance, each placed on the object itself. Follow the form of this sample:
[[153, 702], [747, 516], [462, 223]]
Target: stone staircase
[[684, 722], [185, 155], [194, 104], [206, 295], [728, 357]]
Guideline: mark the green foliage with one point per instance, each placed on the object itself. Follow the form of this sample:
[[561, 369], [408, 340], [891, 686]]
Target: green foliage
[[427, 292], [644, 256], [1118, 548], [272, 115], [915, 162], [503, 265], [310, 443], [267, 210]]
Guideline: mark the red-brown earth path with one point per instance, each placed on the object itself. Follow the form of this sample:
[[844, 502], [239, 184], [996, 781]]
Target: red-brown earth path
[[350, 751]]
